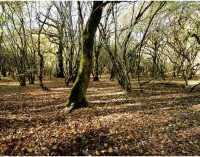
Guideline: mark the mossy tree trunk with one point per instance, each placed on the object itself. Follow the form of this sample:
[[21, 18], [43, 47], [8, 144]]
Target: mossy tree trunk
[[77, 97]]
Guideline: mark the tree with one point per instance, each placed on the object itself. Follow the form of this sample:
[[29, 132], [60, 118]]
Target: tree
[[17, 37], [185, 50], [41, 69], [97, 51], [32, 56], [57, 25], [77, 97], [154, 48], [73, 38], [2, 55]]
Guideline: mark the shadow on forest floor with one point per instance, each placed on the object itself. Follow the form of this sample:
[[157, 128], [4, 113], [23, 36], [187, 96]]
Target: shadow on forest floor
[[32, 122]]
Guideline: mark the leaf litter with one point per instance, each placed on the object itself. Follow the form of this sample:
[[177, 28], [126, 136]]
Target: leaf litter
[[32, 122]]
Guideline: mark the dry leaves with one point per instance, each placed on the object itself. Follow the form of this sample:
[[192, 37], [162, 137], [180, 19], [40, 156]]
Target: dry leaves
[[32, 121]]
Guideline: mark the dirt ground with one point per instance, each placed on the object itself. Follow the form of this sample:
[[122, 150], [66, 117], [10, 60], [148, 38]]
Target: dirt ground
[[32, 121]]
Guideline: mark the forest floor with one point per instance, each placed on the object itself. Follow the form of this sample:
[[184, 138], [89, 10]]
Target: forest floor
[[165, 122]]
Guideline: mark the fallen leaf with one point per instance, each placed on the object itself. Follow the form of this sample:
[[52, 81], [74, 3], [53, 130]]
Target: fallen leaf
[[55, 147], [30, 150], [110, 150]]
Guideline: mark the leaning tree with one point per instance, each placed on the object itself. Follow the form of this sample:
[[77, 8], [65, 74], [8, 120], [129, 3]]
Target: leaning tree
[[77, 97]]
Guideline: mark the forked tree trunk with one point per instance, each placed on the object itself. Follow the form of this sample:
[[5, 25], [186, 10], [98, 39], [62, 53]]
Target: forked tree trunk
[[77, 97]]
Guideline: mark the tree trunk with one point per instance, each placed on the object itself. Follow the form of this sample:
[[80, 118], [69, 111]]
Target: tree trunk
[[174, 71], [60, 72], [96, 68], [184, 75], [31, 78], [3, 72], [22, 79], [22, 69], [70, 66], [112, 72], [77, 97], [154, 67], [41, 67]]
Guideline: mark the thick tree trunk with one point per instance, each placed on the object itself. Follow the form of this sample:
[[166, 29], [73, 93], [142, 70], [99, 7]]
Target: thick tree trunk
[[77, 97]]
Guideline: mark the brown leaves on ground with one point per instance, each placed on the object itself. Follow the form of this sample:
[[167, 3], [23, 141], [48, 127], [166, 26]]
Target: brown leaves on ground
[[32, 122]]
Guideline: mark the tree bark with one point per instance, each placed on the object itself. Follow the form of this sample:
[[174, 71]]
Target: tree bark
[[77, 97], [41, 62], [31, 78], [22, 80], [96, 65], [3, 72], [60, 72]]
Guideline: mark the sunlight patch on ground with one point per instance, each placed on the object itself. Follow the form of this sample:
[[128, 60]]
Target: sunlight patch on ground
[[9, 83], [108, 101], [94, 89], [27, 116], [116, 117], [40, 93], [49, 107], [44, 95], [58, 92], [189, 132], [171, 96], [138, 118], [59, 89], [123, 106], [193, 82], [106, 94], [195, 107]]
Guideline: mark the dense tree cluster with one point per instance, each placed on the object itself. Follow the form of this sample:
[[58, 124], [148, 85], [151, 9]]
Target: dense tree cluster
[[134, 40]]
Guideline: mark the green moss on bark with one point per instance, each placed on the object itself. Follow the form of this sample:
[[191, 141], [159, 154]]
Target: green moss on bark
[[77, 97]]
